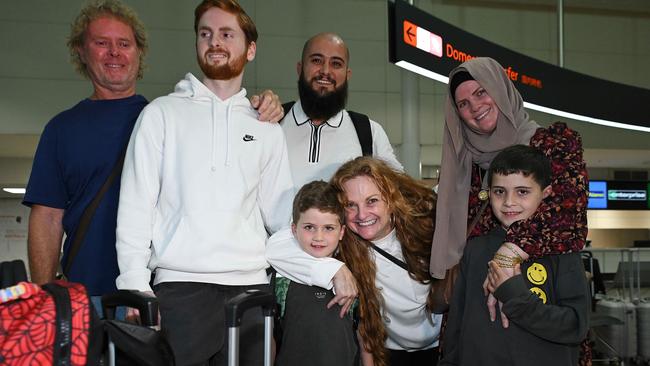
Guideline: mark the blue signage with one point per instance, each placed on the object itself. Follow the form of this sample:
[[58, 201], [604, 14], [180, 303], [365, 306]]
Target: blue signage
[[597, 194]]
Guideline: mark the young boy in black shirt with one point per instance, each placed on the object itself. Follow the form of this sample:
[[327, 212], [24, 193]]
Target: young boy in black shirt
[[544, 302]]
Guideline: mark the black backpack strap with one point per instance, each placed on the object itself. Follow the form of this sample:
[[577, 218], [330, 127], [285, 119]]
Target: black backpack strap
[[287, 107], [361, 124]]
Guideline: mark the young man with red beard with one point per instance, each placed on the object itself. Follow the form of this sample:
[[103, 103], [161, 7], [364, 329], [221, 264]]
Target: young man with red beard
[[203, 183]]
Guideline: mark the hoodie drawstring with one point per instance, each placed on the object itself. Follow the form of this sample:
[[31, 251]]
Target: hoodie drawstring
[[213, 147], [190, 87], [215, 139], [228, 114]]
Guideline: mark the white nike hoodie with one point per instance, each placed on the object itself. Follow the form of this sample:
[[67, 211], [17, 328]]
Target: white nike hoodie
[[203, 182]]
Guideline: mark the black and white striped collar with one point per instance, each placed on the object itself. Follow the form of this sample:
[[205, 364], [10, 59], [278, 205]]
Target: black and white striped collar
[[300, 118]]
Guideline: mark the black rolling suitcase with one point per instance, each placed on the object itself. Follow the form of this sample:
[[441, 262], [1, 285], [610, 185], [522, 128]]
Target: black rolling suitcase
[[135, 344], [235, 308]]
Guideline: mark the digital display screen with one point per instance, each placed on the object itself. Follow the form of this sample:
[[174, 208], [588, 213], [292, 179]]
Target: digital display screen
[[618, 195], [627, 195]]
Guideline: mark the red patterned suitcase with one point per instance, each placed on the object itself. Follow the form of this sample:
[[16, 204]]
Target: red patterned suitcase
[[49, 325]]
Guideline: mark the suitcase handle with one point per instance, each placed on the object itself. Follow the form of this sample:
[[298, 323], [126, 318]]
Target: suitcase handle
[[238, 305], [146, 304], [235, 308]]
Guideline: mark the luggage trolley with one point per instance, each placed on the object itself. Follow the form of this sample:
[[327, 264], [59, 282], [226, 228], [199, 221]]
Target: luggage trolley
[[616, 322]]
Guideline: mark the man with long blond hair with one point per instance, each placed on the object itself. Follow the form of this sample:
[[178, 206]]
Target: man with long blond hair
[[80, 147]]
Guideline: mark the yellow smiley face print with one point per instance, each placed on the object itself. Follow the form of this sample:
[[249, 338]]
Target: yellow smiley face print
[[540, 293], [536, 274]]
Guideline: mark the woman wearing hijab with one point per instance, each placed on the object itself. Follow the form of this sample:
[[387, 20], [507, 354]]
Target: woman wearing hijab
[[484, 114]]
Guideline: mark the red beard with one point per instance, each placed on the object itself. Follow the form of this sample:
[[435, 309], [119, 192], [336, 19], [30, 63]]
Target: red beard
[[227, 71]]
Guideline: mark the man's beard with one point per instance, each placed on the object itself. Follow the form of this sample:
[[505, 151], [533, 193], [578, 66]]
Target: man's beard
[[227, 71], [321, 107]]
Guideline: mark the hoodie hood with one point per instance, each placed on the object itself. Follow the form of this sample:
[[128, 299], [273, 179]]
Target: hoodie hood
[[192, 88]]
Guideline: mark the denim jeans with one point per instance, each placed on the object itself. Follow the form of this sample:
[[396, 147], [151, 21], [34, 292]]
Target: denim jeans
[[120, 312]]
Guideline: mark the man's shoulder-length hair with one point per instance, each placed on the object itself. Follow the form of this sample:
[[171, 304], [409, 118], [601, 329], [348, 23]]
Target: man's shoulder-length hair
[[105, 8]]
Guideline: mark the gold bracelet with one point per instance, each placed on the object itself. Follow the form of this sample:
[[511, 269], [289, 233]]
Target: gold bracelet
[[506, 258], [505, 261], [521, 260]]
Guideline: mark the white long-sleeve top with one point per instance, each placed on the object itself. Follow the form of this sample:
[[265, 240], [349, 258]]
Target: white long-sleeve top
[[410, 326], [202, 182]]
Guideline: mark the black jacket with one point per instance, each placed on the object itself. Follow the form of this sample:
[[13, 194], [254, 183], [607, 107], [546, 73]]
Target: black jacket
[[539, 333]]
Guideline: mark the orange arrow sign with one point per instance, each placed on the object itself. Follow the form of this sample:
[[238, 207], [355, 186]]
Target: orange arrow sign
[[410, 33]]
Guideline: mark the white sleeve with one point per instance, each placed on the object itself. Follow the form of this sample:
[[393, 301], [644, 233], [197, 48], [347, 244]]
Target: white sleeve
[[138, 198], [381, 147], [285, 255], [276, 190]]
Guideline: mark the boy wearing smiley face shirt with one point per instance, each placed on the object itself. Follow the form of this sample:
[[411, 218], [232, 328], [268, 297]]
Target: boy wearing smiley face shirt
[[544, 302], [312, 334]]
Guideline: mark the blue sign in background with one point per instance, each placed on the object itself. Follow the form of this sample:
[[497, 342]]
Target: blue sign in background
[[597, 195]]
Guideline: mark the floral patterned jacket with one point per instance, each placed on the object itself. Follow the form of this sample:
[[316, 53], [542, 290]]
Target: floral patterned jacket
[[560, 223]]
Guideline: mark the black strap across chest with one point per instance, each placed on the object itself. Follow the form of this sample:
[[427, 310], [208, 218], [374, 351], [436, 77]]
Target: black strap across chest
[[89, 212], [390, 257]]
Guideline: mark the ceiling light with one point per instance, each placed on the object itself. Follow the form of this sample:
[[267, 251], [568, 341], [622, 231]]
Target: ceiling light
[[14, 190]]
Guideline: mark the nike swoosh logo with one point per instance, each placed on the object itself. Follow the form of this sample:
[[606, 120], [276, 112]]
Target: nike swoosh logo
[[248, 138]]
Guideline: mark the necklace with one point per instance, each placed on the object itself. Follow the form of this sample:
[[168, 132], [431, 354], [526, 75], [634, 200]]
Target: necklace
[[483, 193]]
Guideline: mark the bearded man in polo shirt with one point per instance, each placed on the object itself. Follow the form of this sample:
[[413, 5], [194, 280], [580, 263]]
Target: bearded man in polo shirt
[[320, 132]]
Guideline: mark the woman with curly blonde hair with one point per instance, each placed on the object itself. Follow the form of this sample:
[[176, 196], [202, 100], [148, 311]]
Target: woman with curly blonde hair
[[392, 216], [391, 219]]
